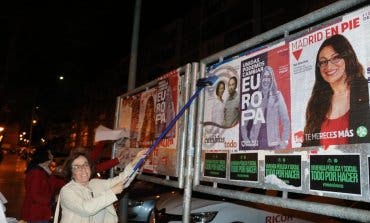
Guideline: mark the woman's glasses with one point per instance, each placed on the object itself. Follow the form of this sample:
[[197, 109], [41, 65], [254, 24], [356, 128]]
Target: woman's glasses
[[80, 167], [334, 60]]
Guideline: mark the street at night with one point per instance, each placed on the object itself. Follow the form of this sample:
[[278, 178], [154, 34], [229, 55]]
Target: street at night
[[12, 183], [208, 111]]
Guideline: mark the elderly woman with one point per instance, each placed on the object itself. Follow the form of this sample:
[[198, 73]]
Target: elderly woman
[[90, 200]]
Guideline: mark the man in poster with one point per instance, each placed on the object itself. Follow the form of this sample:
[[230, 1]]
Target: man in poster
[[231, 110]]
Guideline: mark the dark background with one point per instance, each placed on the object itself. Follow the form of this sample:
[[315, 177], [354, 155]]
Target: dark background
[[41, 40], [89, 44]]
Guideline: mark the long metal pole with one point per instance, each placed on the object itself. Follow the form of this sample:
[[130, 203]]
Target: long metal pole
[[31, 126], [308, 206], [130, 86], [134, 46], [189, 171]]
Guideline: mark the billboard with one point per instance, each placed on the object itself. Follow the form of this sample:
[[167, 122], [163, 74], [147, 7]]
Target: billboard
[[330, 96], [249, 107], [145, 115], [294, 114]]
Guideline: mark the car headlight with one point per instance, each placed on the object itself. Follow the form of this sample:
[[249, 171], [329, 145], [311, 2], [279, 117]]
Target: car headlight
[[203, 217]]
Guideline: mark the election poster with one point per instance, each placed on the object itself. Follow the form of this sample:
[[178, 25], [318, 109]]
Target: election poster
[[329, 67], [265, 99], [146, 115], [146, 134], [222, 107], [166, 108], [248, 108], [129, 117]]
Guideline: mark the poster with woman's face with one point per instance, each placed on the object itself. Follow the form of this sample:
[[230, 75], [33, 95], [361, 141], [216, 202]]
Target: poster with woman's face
[[265, 99], [329, 82], [128, 119], [146, 135]]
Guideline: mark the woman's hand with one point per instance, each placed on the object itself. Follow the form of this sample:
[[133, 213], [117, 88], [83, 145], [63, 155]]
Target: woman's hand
[[139, 155], [129, 169], [120, 157], [118, 188]]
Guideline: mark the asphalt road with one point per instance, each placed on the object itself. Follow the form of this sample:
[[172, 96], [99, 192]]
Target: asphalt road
[[12, 183]]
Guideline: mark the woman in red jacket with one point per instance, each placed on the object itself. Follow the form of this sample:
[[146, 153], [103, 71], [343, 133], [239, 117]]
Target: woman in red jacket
[[40, 186], [105, 165]]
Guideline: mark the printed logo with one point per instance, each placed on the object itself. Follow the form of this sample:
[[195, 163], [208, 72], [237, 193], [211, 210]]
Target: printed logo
[[297, 54], [361, 131]]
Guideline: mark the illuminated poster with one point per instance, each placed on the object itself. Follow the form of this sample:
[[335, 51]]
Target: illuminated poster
[[146, 115], [244, 166], [265, 99], [248, 108], [329, 82], [146, 133], [215, 165], [336, 173], [221, 109], [166, 107], [146, 122], [165, 111], [129, 118], [283, 171]]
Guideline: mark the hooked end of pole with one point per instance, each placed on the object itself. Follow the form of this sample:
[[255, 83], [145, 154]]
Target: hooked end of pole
[[207, 81]]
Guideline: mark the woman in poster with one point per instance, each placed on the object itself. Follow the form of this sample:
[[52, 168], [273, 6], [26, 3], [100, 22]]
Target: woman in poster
[[274, 132], [338, 110], [219, 104], [147, 132]]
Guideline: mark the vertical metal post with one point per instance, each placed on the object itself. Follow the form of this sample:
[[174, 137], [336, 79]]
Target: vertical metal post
[[31, 125], [189, 156], [199, 132], [123, 203], [134, 46]]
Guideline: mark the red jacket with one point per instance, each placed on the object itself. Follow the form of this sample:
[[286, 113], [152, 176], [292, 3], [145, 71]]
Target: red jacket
[[95, 155], [40, 189]]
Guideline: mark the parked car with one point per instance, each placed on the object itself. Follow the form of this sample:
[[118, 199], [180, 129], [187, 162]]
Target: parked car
[[165, 204]]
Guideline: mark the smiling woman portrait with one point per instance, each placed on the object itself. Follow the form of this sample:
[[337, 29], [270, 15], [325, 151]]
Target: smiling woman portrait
[[338, 110]]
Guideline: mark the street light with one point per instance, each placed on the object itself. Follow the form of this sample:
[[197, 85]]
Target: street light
[[33, 122]]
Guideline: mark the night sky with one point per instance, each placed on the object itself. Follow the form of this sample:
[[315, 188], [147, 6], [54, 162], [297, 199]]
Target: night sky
[[41, 40], [81, 40]]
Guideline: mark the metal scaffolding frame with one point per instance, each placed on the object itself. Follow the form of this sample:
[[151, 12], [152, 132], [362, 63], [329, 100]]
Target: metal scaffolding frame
[[189, 175], [283, 202]]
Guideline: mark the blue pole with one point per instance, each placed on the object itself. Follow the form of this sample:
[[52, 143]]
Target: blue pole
[[201, 84]]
